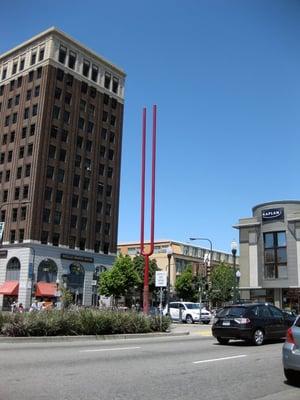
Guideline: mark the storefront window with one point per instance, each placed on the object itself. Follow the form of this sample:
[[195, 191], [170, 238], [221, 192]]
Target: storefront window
[[13, 269], [275, 255]]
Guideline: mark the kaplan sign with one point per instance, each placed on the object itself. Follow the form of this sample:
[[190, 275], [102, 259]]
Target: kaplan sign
[[272, 213]]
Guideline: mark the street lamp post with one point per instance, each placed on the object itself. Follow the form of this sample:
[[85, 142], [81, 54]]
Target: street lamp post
[[206, 263], [233, 251], [238, 277], [169, 255]]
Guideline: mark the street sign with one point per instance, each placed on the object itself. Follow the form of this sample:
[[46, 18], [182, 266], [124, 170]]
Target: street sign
[[1, 229], [160, 279]]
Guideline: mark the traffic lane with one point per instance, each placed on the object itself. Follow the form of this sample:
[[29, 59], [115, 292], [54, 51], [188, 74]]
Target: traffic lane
[[161, 369]]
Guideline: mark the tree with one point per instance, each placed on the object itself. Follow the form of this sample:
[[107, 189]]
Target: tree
[[222, 281], [139, 266], [120, 280], [187, 285]]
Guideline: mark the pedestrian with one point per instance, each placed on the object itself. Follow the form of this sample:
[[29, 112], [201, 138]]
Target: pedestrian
[[34, 306], [21, 308], [13, 307]]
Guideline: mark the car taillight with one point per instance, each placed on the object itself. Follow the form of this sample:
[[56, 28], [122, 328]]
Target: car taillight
[[289, 337], [242, 320]]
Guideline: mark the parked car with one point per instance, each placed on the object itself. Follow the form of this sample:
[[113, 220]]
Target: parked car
[[291, 353], [187, 312], [253, 322]]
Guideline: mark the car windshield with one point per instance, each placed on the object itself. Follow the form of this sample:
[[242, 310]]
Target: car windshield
[[192, 306], [297, 322], [232, 312]]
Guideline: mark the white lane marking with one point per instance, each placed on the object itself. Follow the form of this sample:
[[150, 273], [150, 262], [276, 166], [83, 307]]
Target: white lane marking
[[219, 359], [112, 349]]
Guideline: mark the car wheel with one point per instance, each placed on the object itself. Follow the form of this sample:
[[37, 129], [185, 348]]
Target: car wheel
[[291, 376], [222, 340], [189, 319], [205, 322], [258, 337]]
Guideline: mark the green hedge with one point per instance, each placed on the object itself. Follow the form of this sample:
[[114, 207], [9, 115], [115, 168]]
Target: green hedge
[[81, 322]]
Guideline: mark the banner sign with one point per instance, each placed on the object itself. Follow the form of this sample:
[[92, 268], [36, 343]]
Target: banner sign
[[76, 258], [272, 213], [160, 279]]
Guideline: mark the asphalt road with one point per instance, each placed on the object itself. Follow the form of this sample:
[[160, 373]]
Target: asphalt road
[[169, 368]]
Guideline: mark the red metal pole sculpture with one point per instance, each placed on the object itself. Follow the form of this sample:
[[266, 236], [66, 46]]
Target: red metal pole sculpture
[[147, 254]]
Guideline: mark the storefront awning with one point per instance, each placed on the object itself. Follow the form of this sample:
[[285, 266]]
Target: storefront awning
[[45, 289], [10, 288]]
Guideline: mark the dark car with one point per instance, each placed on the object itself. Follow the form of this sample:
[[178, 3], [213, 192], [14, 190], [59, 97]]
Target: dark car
[[253, 322]]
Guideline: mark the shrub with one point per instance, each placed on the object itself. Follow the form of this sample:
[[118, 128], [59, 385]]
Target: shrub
[[79, 322]]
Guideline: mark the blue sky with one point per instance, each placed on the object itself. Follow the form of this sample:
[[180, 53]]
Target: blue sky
[[225, 76]]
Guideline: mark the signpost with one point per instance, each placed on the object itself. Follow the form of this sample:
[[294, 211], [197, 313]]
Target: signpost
[[160, 281]]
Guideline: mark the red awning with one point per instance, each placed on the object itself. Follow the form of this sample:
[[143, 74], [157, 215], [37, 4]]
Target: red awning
[[44, 289], [10, 288]]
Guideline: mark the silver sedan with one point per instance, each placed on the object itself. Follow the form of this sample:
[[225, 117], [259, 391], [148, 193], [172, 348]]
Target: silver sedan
[[291, 353]]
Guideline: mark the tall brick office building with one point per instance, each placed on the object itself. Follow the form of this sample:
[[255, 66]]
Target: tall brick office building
[[61, 114]]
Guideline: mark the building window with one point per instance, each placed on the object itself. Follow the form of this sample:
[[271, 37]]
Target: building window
[[66, 117], [21, 235], [29, 149], [14, 214], [64, 135], [17, 100], [275, 255], [36, 91], [114, 103], [19, 172], [75, 200], [80, 123], [19, 81], [72, 59], [84, 87], [27, 170], [55, 239], [52, 151], [23, 213], [115, 85], [68, 98], [84, 203], [90, 127], [62, 54], [46, 215], [60, 175], [26, 113], [94, 73], [24, 132], [69, 80], [57, 217], [98, 227], [9, 103], [9, 156], [59, 74], [76, 180], [83, 223], [77, 160], [50, 172], [25, 192], [7, 118], [32, 129], [5, 195], [33, 58], [62, 155], [88, 145], [14, 118], [41, 54], [56, 111], [107, 80], [12, 85], [85, 68], [39, 73], [28, 95], [4, 139], [59, 196], [17, 193], [30, 76], [21, 152], [48, 193], [57, 93], [93, 92], [34, 110], [73, 221], [106, 99], [4, 72], [44, 237], [82, 105], [12, 236], [22, 64]]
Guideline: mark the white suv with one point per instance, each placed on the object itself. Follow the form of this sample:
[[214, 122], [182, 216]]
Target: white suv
[[187, 312]]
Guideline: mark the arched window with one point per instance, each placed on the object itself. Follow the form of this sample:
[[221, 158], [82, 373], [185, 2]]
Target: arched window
[[47, 271], [13, 269], [76, 277]]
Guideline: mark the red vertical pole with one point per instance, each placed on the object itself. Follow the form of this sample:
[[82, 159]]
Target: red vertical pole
[[147, 254]]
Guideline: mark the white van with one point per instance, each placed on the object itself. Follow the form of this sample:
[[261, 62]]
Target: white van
[[187, 312]]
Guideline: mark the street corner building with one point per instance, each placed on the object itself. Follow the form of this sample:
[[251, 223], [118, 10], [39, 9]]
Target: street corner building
[[270, 254], [61, 117]]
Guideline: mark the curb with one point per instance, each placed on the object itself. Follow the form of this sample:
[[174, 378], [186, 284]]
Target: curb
[[39, 339]]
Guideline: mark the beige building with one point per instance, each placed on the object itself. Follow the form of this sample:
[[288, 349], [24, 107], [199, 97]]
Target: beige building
[[183, 254]]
